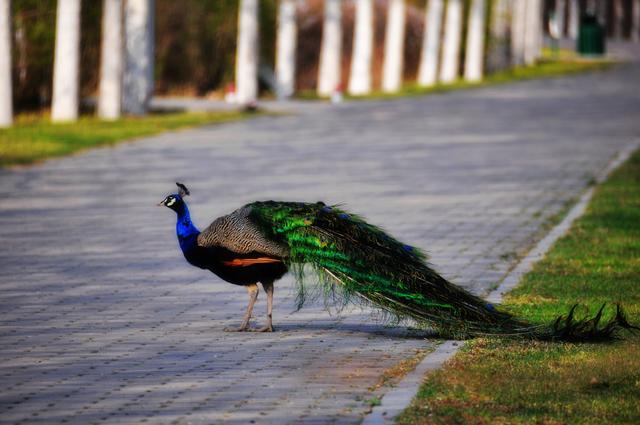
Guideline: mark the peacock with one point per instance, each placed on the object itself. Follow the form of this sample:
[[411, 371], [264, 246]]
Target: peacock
[[353, 260]]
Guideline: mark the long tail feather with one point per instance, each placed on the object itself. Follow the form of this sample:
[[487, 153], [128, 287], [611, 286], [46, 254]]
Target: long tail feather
[[369, 265]]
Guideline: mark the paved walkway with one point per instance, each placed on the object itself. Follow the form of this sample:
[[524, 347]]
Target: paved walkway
[[102, 321]]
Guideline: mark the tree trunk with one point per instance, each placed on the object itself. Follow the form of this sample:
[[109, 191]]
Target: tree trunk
[[474, 58], [139, 41], [428, 72], [618, 19], [518, 26], [451, 48], [635, 20], [394, 46], [360, 77], [533, 31], [331, 50], [574, 18], [66, 62], [6, 96], [561, 6], [286, 49], [247, 53], [499, 49], [110, 95], [602, 14]]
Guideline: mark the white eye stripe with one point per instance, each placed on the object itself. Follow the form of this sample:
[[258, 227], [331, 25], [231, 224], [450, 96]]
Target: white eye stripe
[[171, 202]]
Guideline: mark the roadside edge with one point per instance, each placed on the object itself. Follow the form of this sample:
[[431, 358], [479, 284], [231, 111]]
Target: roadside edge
[[399, 398]]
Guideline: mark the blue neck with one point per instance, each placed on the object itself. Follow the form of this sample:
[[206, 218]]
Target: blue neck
[[185, 229]]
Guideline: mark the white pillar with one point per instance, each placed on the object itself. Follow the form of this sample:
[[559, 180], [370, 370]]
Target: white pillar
[[518, 26], [499, 48], [428, 71], [331, 50], [540, 28], [618, 19], [6, 96], [286, 49], [110, 89], [561, 6], [574, 18], [394, 46], [474, 54], [360, 77], [635, 20], [602, 14], [247, 53], [66, 78], [139, 60], [451, 48], [533, 31]]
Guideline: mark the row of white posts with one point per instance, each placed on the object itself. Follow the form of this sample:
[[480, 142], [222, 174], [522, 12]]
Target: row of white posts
[[439, 58], [126, 65], [126, 69]]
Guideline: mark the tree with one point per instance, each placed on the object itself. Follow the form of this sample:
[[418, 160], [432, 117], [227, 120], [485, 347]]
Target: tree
[[518, 26], [394, 46], [561, 6], [66, 62], [533, 31], [618, 19], [110, 89], [451, 48], [139, 56], [601, 9], [428, 70], [574, 18], [6, 96], [474, 58], [331, 49], [360, 77], [635, 20], [286, 48], [247, 53], [499, 49]]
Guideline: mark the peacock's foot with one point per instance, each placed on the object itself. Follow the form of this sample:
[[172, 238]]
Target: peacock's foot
[[268, 328], [240, 329]]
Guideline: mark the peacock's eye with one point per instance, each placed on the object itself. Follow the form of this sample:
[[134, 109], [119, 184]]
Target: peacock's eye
[[170, 201]]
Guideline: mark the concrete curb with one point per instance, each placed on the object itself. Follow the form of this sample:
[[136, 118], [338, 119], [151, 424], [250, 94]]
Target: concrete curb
[[397, 399], [539, 251]]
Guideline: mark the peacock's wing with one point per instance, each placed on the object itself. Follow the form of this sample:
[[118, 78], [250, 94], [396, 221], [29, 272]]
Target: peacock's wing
[[238, 233]]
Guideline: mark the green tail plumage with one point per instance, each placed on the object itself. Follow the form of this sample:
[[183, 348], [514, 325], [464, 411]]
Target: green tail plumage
[[372, 266]]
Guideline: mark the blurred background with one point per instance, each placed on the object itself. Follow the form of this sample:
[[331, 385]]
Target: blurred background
[[195, 42]]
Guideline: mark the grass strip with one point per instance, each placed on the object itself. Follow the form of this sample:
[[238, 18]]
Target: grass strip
[[34, 138], [551, 65], [510, 382]]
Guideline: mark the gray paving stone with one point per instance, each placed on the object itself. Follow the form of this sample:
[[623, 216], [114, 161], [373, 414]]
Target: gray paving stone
[[102, 321]]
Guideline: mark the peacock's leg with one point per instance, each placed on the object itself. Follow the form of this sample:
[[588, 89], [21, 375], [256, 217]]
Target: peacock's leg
[[268, 287], [253, 296]]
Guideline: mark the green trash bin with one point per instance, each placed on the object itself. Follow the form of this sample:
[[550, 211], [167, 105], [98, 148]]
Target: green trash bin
[[591, 36]]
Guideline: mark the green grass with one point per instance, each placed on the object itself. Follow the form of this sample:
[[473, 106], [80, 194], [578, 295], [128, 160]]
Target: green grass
[[565, 63], [509, 382], [34, 137]]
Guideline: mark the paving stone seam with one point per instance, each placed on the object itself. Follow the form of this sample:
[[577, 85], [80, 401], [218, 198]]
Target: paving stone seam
[[399, 398]]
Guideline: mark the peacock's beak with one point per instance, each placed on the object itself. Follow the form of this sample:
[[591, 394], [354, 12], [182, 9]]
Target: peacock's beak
[[161, 204]]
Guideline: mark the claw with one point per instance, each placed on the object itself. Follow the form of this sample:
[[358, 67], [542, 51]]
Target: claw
[[263, 329], [240, 329]]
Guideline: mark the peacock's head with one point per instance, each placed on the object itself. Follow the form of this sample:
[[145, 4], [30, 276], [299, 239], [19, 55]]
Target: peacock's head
[[174, 201]]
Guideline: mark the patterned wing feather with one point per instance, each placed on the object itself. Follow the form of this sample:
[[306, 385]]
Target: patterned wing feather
[[237, 233]]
